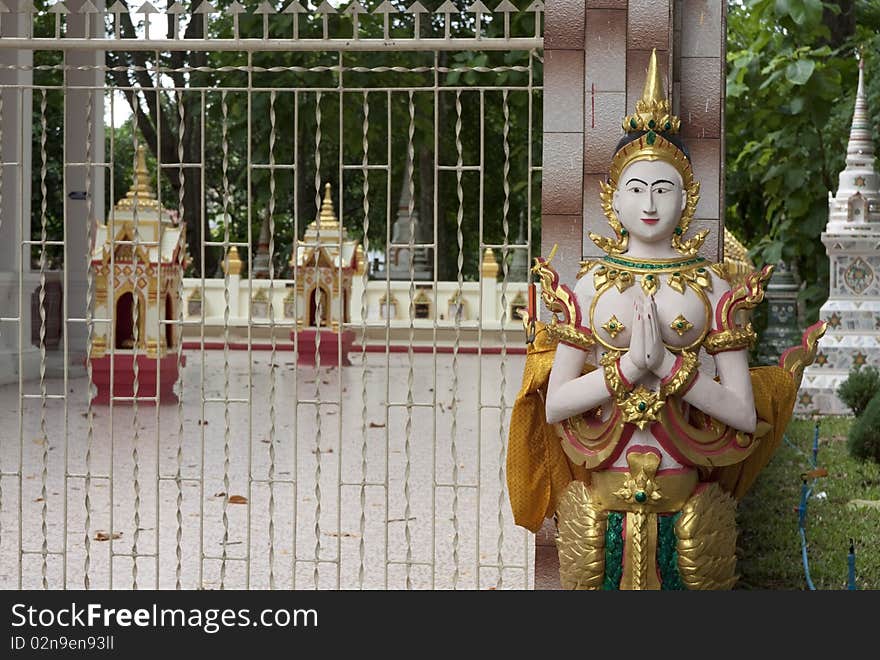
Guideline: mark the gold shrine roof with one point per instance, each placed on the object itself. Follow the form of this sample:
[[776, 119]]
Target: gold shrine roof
[[323, 235], [154, 223], [172, 237]]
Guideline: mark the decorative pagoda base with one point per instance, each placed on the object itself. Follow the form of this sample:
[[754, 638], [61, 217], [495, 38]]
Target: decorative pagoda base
[[329, 348], [150, 371], [853, 315]]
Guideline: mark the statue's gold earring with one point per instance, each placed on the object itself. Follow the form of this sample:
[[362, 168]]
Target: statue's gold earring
[[624, 240], [689, 247]]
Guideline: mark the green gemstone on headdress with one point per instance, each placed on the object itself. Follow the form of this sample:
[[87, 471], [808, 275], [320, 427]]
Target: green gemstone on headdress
[[651, 137], [667, 125], [652, 124], [624, 232], [632, 123], [641, 496], [642, 406], [678, 231], [649, 277]]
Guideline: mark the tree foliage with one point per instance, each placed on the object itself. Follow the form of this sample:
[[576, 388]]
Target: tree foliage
[[241, 127], [791, 84]]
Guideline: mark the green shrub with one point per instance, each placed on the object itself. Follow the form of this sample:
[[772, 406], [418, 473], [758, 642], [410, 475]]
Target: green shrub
[[859, 388], [864, 435]]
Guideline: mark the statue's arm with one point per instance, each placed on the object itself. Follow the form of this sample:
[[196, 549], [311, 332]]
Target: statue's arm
[[730, 400], [569, 393]]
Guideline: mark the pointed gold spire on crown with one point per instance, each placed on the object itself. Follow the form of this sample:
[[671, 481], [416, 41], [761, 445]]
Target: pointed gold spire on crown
[[653, 90], [653, 109]]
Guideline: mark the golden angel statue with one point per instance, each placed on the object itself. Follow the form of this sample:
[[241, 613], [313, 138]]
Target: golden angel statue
[[638, 449]]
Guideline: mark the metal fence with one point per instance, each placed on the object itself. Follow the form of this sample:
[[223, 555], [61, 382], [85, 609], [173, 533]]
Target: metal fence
[[266, 473]]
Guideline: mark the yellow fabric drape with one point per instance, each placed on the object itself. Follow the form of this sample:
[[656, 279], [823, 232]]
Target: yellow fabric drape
[[538, 470]]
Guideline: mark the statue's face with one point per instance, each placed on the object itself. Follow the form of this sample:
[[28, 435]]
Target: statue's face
[[649, 200]]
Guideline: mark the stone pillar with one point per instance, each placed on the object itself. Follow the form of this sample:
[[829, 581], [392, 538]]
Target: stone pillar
[[595, 58], [563, 158], [15, 203], [699, 86], [83, 215]]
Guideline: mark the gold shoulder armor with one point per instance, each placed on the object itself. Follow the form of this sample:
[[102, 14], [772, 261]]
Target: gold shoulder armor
[[586, 267], [566, 324], [729, 335]]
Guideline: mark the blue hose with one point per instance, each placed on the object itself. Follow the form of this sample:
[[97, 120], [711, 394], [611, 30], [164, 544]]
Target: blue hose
[[810, 584], [851, 567], [802, 518]]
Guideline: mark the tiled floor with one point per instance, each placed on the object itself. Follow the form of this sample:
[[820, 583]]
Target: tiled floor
[[316, 456]]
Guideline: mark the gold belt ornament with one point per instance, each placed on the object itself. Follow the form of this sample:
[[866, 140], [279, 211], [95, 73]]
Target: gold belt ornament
[[705, 529], [642, 494]]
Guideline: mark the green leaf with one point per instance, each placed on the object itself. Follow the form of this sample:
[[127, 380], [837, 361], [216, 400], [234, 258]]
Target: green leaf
[[798, 205], [773, 252], [813, 10], [769, 80], [783, 7], [799, 72], [805, 13], [736, 89]]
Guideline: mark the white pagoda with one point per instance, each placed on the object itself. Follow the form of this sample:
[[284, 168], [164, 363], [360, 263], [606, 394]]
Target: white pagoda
[[852, 240]]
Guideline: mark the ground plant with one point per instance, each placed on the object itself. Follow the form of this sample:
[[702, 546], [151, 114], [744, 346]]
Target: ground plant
[[769, 546]]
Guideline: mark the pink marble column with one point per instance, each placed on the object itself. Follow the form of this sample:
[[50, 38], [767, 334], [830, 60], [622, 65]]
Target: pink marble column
[[563, 158], [595, 56], [699, 72]]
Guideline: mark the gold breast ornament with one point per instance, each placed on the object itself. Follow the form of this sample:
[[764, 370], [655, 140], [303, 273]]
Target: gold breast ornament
[[679, 274]]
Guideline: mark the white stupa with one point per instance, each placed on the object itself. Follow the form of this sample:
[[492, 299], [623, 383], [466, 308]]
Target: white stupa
[[852, 241], [408, 229], [856, 206]]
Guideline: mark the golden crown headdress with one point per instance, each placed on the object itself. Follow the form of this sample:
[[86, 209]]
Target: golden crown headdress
[[652, 118]]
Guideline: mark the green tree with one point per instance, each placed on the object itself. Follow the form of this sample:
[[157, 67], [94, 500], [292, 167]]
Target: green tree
[[791, 84], [237, 198]]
